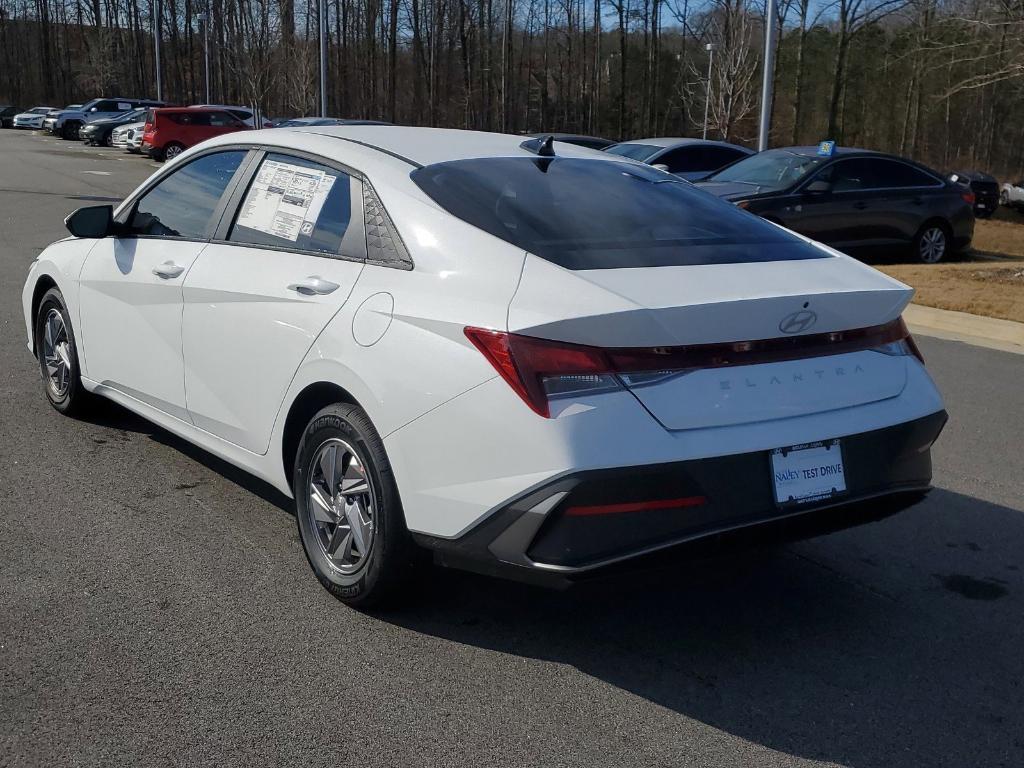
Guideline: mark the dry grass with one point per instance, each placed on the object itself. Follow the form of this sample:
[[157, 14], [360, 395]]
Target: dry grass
[[1003, 234], [993, 289], [989, 282]]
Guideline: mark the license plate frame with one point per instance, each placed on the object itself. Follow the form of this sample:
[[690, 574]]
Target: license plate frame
[[799, 478]]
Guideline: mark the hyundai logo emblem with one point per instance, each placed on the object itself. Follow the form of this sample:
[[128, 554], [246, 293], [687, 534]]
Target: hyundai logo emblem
[[798, 322]]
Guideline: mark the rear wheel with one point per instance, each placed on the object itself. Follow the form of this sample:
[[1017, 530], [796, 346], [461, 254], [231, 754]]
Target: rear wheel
[[932, 243], [108, 140], [349, 515], [70, 130], [172, 150], [58, 360]]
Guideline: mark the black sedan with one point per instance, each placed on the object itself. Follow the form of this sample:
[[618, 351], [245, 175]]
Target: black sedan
[[99, 132], [7, 114], [985, 188], [852, 198]]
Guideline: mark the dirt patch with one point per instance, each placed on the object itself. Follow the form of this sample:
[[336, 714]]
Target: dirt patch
[[993, 288]]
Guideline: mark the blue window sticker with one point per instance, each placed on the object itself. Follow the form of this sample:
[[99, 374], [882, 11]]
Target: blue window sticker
[[826, 148]]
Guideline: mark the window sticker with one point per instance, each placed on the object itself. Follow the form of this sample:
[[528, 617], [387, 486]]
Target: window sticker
[[285, 200]]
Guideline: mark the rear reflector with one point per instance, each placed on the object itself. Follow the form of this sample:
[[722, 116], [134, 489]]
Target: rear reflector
[[636, 506], [538, 369]]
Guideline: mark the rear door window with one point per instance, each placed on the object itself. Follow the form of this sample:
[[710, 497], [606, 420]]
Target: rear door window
[[300, 204], [894, 174], [601, 214], [182, 204]]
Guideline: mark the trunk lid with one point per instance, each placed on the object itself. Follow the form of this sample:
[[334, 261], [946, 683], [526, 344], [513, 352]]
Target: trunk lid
[[720, 303]]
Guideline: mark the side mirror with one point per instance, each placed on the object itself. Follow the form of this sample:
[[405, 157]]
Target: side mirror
[[93, 221], [818, 187], [660, 167]]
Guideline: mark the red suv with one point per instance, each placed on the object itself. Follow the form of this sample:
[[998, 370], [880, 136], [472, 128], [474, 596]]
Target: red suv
[[169, 132]]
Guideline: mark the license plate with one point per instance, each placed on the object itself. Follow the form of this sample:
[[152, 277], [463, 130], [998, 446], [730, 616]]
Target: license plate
[[808, 473]]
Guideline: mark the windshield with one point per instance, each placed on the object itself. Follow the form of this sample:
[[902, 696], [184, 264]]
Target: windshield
[[775, 169], [634, 151], [600, 214]]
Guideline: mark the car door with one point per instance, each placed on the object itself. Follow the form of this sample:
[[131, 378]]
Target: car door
[[224, 122], [289, 251], [906, 197], [131, 285], [844, 214]]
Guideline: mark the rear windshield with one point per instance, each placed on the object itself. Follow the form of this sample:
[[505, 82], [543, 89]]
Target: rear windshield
[[634, 151], [598, 214]]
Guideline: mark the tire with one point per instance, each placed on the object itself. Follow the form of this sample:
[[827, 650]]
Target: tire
[[69, 131], [172, 150], [367, 564], [58, 358], [1004, 197], [108, 140], [932, 242]]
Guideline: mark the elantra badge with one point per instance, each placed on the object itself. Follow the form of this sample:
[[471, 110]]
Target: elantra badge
[[798, 322]]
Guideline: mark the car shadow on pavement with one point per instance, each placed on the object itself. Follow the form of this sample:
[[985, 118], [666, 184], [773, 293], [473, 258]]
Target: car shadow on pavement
[[106, 413], [898, 643]]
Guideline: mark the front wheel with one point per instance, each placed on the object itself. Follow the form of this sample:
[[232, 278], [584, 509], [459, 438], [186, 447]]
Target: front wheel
[[70, 131], [931, 243], [349, 514], [58, 360]]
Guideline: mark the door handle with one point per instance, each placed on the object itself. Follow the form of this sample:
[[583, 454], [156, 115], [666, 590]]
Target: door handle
[[314, 284], [860, 206], [168, 270]]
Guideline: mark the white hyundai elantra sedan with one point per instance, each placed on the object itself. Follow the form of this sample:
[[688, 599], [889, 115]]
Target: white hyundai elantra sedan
[[524, 358]]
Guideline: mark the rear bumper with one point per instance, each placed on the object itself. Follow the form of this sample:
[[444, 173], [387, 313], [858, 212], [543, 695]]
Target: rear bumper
[[534, 538]]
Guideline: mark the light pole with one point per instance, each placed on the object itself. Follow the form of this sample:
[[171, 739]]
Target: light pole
[[766, 80], [204, 19], [323, 58], [710, 48], [156, 50]]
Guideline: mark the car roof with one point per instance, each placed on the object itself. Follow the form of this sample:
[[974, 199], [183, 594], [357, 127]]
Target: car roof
[[679, 141], [813, 150], [425, 146], [388, 153]]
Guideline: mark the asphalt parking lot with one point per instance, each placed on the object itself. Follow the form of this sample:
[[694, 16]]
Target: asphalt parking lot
[[156, 607]]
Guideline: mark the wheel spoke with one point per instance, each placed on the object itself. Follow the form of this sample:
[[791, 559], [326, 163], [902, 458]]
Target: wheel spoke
[[358, 523], [321, 506], [329, 466], [341, 539], [353, 481]]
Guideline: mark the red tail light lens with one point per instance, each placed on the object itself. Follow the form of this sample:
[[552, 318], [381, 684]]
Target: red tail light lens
[[969, 197], [539, 369]]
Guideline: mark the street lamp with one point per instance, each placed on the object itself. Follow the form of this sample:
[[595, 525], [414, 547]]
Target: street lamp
[[156, 49], [710, 48], [204, 19], [323, 57], [766, 80]]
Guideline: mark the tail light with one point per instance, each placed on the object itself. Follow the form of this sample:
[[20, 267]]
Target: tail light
[[968, 196], [539, 370]]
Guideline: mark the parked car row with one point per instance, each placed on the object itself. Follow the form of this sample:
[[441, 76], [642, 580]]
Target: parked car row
[[844, 197]]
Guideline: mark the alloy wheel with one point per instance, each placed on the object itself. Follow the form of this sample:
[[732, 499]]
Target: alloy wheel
[[932, 246], [172, 152], [57, 354], [340, 504]]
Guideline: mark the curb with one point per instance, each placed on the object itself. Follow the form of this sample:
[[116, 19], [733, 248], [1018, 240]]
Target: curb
[[990, 332]]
